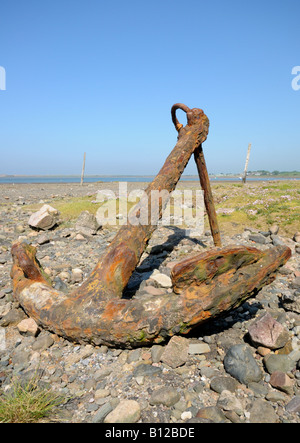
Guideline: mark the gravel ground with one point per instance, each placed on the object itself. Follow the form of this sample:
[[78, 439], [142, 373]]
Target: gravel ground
[[224, 376]]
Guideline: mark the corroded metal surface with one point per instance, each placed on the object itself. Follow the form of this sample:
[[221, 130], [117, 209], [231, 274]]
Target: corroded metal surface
[[112, 273], [193, 117], [205, 285]]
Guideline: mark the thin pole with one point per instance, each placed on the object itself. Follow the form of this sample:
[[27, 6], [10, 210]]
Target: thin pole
[[208, 197], [83, 168], [246, 165]]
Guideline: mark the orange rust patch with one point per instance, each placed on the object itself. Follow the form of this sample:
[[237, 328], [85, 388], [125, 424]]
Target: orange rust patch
[[113, 308]]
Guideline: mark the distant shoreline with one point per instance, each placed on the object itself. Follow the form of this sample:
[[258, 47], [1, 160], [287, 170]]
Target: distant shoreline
[[75, 179]]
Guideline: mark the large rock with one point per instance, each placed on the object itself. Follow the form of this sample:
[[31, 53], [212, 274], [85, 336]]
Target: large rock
[[268, 332], [240, 363], [87, 223], [45, 219]]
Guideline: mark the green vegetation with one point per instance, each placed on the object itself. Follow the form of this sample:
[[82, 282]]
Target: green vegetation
[[71, 208], [256, 204], [28, 404]]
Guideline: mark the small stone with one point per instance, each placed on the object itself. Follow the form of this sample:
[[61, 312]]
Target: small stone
[[262, 412], [186, 415], [87, 224], [212, 413], [28, 327], [282, 381], [101, 393], [156, 353], [167, 396], [240, 364], [102, 373], [102, 413], [259, 390], [79, 237], [287, 349], [144, 370], [209, 372], [263, 351], [294, 405], [277, 241], [268, 332], [45, 219], [223, 383], [162, 279], [199, 348], [285, 270], [296, 283], [258, 238], [134, 355], [274, 229], [77, 275], [127, 411], [176, 352], [42, 239], [296, 237], [43, 342], [20, 229], [228, 402], [153, 291], [278, 363], [81, 355], [13, 317], [3, 260], [64, 276], [290, 301], [140, 380], [276, 396]]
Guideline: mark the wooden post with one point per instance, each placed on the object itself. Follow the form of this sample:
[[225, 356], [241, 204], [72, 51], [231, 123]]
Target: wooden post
[[83, 168], [208, 197], [246, 165]]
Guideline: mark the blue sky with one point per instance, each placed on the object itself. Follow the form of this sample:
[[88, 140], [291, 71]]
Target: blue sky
[[101, 77]]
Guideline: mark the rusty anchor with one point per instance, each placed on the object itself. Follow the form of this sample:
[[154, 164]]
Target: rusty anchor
[[204, 286]]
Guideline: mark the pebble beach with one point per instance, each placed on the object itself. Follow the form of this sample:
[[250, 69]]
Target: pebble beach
[[225, 371]]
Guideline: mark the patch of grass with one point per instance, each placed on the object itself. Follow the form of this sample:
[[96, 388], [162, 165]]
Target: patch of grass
[[71, 209], [27, 404], [259, 205]]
